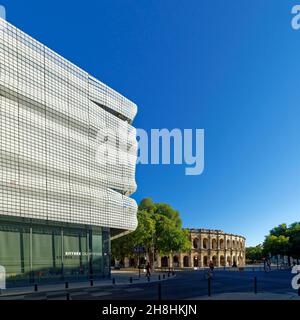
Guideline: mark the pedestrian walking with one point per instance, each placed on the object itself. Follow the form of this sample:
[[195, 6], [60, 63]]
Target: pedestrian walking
[[148, 267]]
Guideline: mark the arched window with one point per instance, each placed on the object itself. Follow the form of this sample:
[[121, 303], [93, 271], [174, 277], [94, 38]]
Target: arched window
[[228, 244], [175, 261], [196, 243], [229, 261], [164, 262], [221, 244], [186, 261], [214, 260], [222, 261], [214, 244], [196, 262]]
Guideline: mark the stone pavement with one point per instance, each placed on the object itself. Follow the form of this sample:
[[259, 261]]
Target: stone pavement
[[122, 278]]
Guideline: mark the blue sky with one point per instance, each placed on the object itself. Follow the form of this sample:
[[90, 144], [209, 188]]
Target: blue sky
[[230, 67]]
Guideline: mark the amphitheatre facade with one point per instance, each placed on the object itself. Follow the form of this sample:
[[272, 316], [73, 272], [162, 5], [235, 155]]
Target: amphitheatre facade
[[223, 249]]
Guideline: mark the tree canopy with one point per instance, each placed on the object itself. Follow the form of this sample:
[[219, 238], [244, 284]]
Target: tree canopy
[[283, 240], [254, 254], [159, 231]]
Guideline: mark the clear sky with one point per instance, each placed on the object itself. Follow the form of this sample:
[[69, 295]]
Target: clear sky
[[230, 67]]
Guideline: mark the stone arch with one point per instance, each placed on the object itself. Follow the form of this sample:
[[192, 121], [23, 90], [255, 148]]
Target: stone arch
[[214, 260], [164, 262], [214, 244], [205, 261], [229, 261], [175, 261], [240, 260], [222, 261], [205, 243], [196, 261], [186, 261], [234, 260], [222, 244], [228, 244], [196, 243]]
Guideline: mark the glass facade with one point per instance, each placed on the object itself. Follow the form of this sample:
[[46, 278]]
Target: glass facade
[[33, 252], [67, 158]]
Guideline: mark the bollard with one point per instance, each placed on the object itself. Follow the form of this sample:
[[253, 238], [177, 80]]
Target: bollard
[[92, 282], [168, 274], [209, 286], [114, 281], [173, 273], [255, 285], [68, 296], [159, 291], [130, 279], [164, 276], [159, 277], [66, 285], [35, 287]]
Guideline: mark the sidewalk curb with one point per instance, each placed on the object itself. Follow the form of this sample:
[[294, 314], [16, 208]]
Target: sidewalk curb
[[106, 285]]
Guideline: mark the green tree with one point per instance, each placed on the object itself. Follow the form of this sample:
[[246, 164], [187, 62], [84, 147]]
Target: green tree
[[169, 236], [147, 204], [254, 254], [281, 230], [124, 246], [159, 231], [294, 235], [284, 240], [275, 245], [121, 249]]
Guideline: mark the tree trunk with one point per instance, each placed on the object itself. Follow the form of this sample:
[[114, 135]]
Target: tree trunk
[[148, 256], [152, 261]]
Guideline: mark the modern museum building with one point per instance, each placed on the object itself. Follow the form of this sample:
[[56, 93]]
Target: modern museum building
[[67, 165]]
